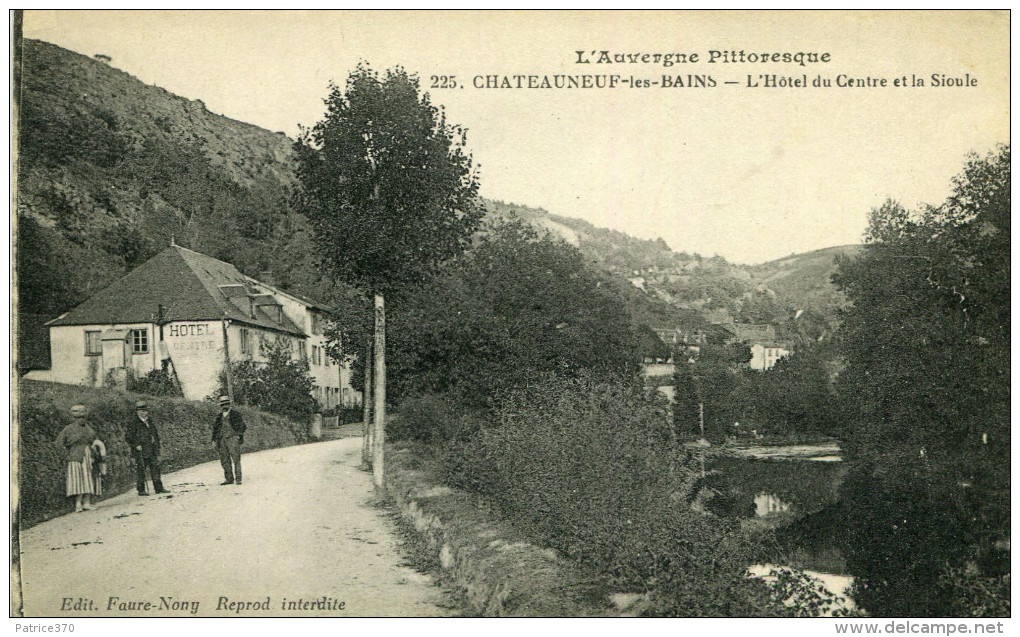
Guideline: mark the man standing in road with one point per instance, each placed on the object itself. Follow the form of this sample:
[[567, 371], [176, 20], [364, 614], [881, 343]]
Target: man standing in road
[[143, 438], [228, 435]]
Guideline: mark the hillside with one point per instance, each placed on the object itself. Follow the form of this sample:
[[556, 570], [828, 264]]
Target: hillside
[[669, 288], [111, 170]]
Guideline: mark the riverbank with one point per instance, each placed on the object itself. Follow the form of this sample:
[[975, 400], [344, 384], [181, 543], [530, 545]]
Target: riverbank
[[497, 571], [822, 452]]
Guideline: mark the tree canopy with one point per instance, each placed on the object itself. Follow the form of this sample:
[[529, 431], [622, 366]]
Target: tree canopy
[[926, 341], [515, 304], [387, 182]]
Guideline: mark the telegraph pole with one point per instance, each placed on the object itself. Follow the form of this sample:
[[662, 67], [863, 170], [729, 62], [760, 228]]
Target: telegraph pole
[[366, 409], [378, 475], [226, 359]]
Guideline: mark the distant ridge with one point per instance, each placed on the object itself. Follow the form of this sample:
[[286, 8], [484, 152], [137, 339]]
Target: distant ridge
[[112, 170]]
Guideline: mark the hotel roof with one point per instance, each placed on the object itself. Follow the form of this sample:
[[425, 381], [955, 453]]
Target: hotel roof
[[191, 287]]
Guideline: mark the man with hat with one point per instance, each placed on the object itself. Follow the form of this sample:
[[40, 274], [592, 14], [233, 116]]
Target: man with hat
[[143, 438], [228, 435]]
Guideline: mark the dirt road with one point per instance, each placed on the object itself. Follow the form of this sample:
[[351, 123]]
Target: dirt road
[[299, 538]]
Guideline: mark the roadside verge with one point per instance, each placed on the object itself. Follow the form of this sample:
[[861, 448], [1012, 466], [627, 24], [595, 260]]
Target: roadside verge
[[496, 570]]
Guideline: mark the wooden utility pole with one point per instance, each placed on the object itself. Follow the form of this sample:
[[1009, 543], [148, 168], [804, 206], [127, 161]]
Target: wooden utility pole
[[226, 360], [701, 416], [366, 409], [378, 475]]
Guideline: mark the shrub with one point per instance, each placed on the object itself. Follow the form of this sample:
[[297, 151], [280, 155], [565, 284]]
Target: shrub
[[158, 382], [434, 419], [591, 469], [279, 385]]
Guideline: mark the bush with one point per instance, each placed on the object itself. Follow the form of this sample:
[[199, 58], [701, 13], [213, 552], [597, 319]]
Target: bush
[[922, 541], [279, 385], [434, 419], [158, 382], [591, 469], [185, 430]]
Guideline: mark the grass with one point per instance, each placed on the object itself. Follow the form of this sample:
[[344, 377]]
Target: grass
[[496, 571]]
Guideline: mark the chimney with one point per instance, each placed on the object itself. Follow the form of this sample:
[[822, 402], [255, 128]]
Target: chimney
[[267, 278]]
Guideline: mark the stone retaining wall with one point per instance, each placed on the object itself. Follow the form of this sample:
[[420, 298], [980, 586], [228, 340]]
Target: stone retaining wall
[[499, 574]]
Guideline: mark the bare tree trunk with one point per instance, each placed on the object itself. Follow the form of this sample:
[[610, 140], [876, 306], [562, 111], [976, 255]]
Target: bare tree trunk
[[366, 409], [380, 390]]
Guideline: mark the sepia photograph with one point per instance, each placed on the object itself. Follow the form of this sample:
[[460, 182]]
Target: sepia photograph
[[534, 314]]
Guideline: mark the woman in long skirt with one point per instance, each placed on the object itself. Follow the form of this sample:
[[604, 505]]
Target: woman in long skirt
[[77, 439]]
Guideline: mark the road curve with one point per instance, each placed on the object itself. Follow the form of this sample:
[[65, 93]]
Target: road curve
[[301, 537]]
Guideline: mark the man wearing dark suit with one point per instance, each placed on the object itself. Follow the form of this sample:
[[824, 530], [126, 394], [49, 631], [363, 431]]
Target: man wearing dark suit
[[143, 438], [228, 435]]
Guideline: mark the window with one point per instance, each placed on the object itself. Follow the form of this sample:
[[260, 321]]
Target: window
[[316, 323], [245, 342], [316, 355], [140, 341], [93, 342]]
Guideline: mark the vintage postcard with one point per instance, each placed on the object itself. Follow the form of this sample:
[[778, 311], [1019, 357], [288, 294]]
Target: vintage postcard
[[510, 313]]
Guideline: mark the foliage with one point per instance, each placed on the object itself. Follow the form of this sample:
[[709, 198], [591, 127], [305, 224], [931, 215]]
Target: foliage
[[686, 399], [590, 468], [926, 341], [158, 382], [517, 303], [718, 382], [434, 419], [278, 384], [386, 182], [976, 595], [185, 429], [796, 396], [649, 343], [804, 595]]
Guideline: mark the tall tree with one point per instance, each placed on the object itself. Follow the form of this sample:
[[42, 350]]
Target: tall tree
[[687, 402], [515, 305], [926, 341], [391, 193]]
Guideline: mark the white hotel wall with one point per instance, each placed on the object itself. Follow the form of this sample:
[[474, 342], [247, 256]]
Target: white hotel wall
[[196, 349], [70, 365]]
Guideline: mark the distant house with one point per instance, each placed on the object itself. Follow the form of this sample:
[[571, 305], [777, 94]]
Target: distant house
[[190, 313], [765, 349], [765, 355]]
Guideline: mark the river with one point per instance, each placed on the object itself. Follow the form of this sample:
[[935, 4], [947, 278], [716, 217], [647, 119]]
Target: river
[[792, 489]]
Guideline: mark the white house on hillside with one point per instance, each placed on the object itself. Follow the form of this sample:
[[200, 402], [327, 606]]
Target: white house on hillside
[[193, 312], [765, 349]]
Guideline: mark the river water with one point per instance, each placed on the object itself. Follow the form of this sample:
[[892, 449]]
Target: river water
[[773, 482], [780, 487]]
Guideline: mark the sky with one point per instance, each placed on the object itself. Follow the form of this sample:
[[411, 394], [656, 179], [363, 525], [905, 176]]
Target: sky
[[751, 173]]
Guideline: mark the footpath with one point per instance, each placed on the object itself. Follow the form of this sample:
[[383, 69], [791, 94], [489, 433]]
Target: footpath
[[300, 537]]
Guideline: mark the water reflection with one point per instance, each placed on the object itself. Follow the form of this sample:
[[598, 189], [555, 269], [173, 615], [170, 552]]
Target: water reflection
[[766, 504], [761, 488]]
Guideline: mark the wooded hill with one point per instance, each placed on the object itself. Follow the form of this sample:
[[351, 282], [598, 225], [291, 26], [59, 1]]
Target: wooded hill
[[110, 170]]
